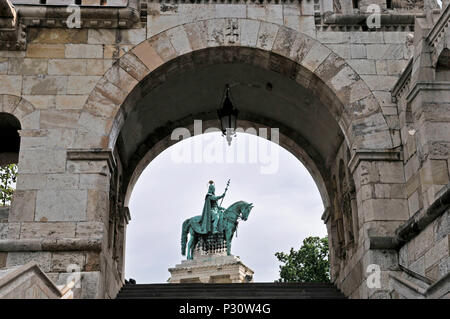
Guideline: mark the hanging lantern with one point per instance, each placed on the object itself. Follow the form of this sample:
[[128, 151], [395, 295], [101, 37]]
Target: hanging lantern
[[228, 117]]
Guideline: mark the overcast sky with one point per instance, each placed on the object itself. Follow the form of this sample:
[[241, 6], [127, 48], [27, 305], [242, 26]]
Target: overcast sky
[[287, 204]]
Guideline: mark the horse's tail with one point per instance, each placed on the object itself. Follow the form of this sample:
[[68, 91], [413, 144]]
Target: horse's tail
[[184, 233]]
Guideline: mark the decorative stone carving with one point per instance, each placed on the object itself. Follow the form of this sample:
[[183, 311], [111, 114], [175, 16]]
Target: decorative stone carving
[[232, 31], [337, 6], [13, 35], [407, 4]]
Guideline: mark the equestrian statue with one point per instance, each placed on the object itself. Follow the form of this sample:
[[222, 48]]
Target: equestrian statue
[[215, 222]]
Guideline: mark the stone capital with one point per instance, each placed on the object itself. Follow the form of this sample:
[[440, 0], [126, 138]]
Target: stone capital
[[373, 155], [92, 155]]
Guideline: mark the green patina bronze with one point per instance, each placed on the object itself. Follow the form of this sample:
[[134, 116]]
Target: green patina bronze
[[215, 220]]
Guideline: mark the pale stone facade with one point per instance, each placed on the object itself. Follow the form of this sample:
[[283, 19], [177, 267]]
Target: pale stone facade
[[365, 110]]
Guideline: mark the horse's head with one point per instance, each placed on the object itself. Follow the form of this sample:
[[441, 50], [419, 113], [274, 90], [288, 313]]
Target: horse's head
[[245, 210]]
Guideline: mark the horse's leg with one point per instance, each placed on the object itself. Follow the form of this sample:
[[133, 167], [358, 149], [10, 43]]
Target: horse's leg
[[229, 236], [195, 238], [190, 245], [194, 244]]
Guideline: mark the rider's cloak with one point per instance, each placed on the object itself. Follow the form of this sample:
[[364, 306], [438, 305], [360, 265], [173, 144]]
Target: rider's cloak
[[205, 224]]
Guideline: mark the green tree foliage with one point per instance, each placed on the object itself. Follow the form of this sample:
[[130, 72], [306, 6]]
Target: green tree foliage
[[8, 175], [308, 264]]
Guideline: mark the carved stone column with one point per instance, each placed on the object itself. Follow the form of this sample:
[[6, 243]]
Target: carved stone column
[[13, 32]]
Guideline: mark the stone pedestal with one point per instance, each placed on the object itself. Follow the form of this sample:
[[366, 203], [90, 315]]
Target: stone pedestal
[[214, 268]]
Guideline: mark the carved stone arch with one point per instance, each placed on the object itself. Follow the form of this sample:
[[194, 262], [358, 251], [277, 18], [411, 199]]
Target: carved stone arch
[[297, 55], [274, 48], [20, 115], [22, 109]]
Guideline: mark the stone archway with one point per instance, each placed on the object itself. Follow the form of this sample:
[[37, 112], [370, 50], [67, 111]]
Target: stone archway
[[115, 106], [78, 187], [21, 109], [266, 45]]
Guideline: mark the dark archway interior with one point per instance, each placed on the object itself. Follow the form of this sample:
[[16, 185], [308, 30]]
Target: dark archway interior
[[263, 97], [10, 139], [272, 93]]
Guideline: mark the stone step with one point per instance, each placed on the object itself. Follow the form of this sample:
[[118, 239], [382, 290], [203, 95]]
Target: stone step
[[237, 287], [231, 291], [246, 297], [233, 296], [232, 286], [223, 293]]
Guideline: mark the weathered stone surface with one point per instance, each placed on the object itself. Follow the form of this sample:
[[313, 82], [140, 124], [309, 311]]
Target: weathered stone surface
[[423, 242], [179, 40], [64, 262], [94, 181], [44, 85], [386, 209], [133, 36], [414, 203], [67, 67], [316, 55], [391, 172], [90, 229], [121, 78], [35, 50], [266, 36], [23, 206], [41, 102], [390, 191], [83, 51], [81, 84], [70, 102], [62, 181], [434, 172], [43, 259], [97, 206], [51, 119], [92, 262], [61, 205], [135, 67], [42, 161], [10, 84], [47, 230], [102, 36], [437, 252], [9, 230], [27, 66], [3, 65], [57, 35]]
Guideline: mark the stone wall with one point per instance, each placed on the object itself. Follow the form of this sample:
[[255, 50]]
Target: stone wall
[[4, 226], [428, 253], [70, 89]]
